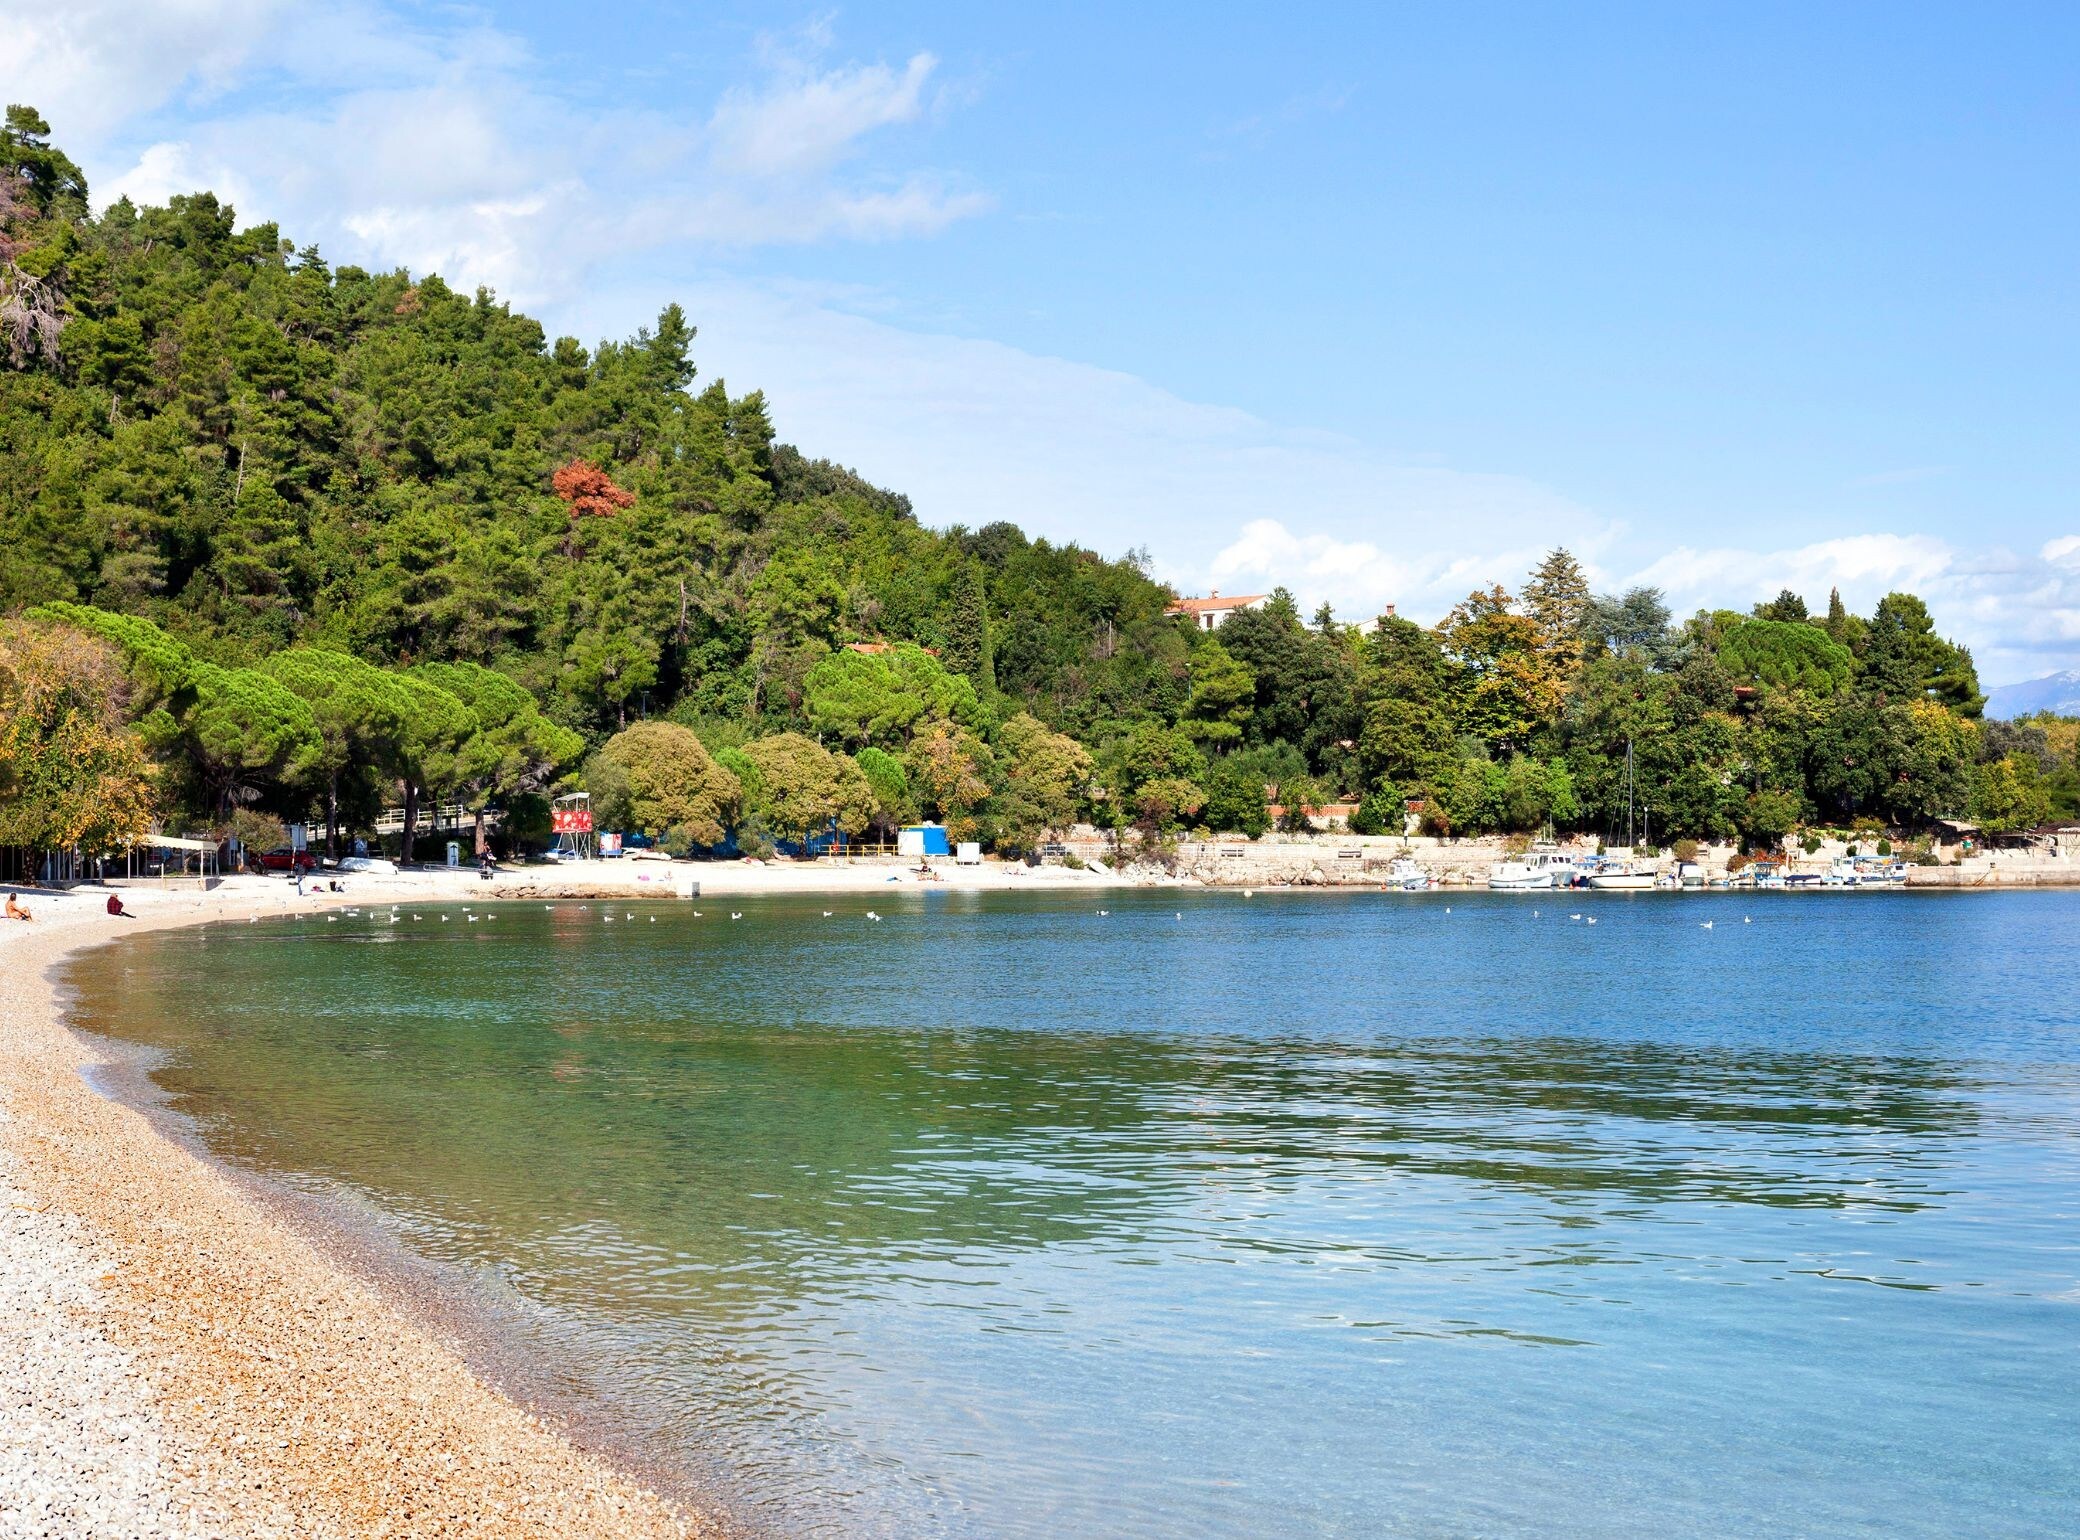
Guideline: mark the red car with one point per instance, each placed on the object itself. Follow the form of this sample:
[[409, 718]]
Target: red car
[[286, 860]]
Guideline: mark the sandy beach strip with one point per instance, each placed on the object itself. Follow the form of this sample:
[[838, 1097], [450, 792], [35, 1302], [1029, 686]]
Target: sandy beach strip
[[176, 1361]]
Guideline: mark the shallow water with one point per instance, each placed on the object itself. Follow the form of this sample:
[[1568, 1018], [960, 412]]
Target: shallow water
[[1339, 1214]]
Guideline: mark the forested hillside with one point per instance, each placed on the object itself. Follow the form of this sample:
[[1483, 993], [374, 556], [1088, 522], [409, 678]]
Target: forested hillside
[[277, 536]]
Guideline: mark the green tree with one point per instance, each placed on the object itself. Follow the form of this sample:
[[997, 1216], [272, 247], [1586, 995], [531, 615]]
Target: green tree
[[950, 769], [432, 727], [893, 804], [1223, 694], [1784, 655], [1406, 737], [804, 790], [1556, 597], [967, 627], [1907, 660], [1509, 682], [1235, 800], [357, 711], [1046, 780], [885, 698], [2010, 793], [241, 727], [511, 747], [658, 777]]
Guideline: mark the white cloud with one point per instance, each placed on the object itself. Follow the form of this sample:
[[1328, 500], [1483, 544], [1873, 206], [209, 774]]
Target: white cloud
[[166, 169], [808, 123], [442, 144], [90, 65], [2019, 614], [974, 431]]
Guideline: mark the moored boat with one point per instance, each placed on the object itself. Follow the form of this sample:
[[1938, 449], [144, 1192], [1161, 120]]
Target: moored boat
[[1519, 876], [1623, 877], [1408, 877]]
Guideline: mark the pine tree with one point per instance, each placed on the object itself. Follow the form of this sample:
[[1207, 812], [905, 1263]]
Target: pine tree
[[1837, 616], [1557, 597]]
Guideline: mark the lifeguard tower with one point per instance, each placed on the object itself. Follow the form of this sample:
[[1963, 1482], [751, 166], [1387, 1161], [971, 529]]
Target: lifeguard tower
[[570, 820]]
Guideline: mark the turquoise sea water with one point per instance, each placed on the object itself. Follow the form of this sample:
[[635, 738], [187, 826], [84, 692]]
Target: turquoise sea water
[[1346, 1214]]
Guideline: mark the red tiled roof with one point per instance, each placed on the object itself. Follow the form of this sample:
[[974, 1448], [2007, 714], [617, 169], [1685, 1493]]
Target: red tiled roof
[[1212, 602]]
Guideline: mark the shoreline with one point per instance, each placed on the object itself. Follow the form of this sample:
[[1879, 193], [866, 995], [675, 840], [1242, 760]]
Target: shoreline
[[189, 1362], [202, 1350]]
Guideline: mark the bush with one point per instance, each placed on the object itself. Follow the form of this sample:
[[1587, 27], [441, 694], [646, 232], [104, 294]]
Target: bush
[[1073, 861], [1738, 861], [1809, 843], [1884, 847], [1686, 850]]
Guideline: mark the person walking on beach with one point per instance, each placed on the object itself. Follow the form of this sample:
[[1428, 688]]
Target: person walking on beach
[[15, 911]]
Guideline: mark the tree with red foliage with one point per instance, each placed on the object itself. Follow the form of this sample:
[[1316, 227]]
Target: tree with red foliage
[[585, 488]]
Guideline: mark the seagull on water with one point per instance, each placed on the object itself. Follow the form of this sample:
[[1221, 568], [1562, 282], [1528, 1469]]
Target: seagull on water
[[872, 915], [1707, 925], [1592, 919], [736, 916], [826, 914]]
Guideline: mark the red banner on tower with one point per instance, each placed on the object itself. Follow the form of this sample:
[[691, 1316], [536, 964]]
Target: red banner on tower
[[571, 820]]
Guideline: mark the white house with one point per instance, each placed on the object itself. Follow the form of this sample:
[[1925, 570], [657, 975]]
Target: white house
[[1209, 612]]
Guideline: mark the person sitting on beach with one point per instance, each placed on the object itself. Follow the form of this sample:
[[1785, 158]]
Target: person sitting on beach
[[115, 907], [15, 911]]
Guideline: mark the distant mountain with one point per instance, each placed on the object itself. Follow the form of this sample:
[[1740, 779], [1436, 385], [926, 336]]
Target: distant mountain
[[2058, 692]]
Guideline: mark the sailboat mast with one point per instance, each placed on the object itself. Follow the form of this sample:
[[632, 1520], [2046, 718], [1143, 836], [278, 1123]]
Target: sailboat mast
[[1628, 793]]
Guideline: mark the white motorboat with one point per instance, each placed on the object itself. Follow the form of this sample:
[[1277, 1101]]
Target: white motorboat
[[1622, 877], [1409, 877], [1545, 865], [1520, 875]]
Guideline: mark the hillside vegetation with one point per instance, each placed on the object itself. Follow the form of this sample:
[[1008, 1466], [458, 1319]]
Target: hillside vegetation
[[278, 536]]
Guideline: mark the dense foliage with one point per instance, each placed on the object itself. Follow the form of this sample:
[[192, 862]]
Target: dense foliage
[[352, 538]]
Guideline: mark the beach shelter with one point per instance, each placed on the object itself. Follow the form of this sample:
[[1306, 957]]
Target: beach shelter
[[204, 853]]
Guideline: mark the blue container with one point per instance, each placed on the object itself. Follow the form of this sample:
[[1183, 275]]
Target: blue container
[[934, 838]]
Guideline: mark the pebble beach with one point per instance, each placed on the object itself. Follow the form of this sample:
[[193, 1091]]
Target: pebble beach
[[175, 1360]]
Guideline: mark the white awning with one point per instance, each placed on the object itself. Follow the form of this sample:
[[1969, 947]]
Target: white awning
[[174, 842]]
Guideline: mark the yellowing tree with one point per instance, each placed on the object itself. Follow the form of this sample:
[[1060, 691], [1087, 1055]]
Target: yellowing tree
[[70, 772]]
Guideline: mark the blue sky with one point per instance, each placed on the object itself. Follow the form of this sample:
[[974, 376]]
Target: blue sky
[[1378, 301]]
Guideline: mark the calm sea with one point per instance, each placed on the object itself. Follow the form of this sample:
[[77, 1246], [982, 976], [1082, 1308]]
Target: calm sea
[[1160, 1214]]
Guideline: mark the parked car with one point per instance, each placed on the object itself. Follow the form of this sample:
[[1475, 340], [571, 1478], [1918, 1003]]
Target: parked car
[[284, 860]]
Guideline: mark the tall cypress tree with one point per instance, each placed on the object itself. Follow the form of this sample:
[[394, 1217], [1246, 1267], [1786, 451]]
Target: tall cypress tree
[[967, 627]]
